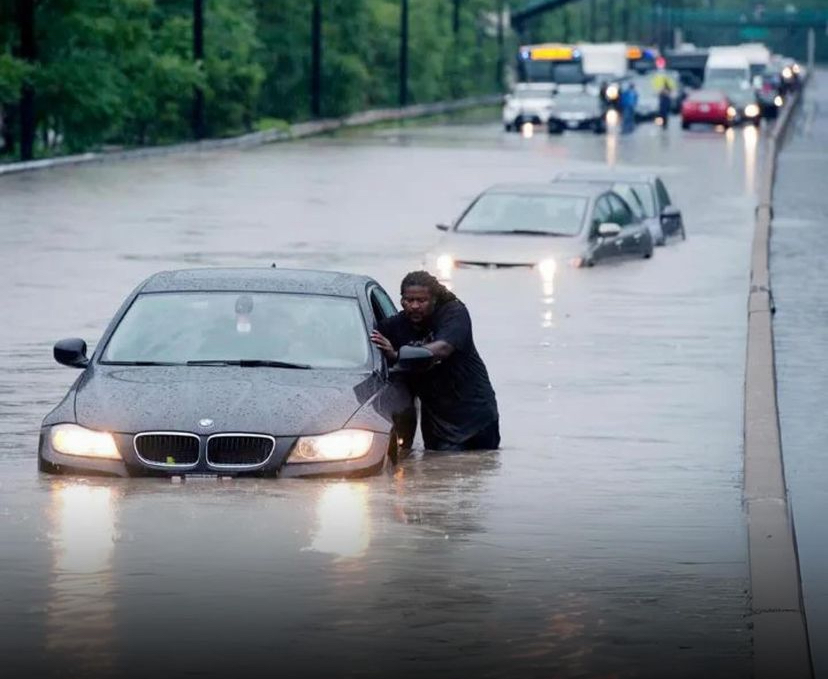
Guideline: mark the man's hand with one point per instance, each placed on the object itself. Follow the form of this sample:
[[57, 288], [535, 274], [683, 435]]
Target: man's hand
[[384, 345]]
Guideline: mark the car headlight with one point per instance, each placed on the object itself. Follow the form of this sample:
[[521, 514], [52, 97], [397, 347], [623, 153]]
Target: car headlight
[[751, 110], [547, 268], [346, 444], [731, 112], [796, 69], [787, 73], [445, 265], [72, 439], [778, 100], [612, 91]]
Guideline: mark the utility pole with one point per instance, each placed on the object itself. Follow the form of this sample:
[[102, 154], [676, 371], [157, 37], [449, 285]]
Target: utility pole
[[611, 20], [625, 20], [455, 23], [316, 59], [198, 57], [403, 53], [567, 25], [500, 32], [28, 52], [593, 20]]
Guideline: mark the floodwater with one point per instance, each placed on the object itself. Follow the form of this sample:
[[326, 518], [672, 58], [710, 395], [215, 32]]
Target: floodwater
[[607, 537], [798, 276]]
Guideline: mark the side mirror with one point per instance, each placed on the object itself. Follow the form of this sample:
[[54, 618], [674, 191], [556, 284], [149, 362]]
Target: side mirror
[[608, 230], [71, 352], [414, 359], [669, 213], [442, 227]]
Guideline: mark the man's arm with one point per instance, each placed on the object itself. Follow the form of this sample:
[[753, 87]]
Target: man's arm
[[441, 349]]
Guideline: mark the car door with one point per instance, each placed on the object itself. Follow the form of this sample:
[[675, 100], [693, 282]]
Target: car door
[[670, 224], [395, 400], [628, 242], [601, 247]]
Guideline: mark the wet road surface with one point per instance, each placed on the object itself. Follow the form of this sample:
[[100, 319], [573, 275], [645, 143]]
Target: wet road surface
[[798, 275], [606, 538]]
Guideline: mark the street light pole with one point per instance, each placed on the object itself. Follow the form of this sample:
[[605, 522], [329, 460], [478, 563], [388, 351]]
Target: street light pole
[[198, 57], [455, 24], [316, 59], [403, 53], [28, 52]]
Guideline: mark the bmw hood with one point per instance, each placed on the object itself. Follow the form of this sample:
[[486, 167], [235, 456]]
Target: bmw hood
[[504, 249], [175, 398]]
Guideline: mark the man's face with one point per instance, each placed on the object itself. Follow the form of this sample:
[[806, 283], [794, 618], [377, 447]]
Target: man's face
[[417, 303]]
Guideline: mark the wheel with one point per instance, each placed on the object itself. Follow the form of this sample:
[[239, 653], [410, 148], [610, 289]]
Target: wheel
[[588, 263], [683, 232], [555, 129], [600, 127], [685, 125], [508, 127]]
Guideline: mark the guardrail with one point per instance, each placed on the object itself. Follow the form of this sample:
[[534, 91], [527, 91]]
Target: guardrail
[[780, 634], [298, 131]]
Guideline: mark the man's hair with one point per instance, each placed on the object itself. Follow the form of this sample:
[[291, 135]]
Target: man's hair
[[424, 279]]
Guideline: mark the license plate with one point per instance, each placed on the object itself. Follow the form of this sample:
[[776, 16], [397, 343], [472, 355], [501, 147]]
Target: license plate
[[572, 124], [704, 108]]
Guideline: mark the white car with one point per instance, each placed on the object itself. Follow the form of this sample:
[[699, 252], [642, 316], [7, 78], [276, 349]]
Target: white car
[[528, 103]]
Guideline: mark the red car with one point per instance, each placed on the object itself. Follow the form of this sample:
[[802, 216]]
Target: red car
[[711, 107]]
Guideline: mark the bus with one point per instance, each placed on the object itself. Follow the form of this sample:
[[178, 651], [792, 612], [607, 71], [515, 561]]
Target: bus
[[556, 63]]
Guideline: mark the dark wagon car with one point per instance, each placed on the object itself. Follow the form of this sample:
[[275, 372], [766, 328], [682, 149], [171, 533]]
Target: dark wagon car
[[233, 372]]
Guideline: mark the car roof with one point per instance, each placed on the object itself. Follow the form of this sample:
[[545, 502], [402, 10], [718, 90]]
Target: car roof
[[607, 176], [585, 189], [265, 279]]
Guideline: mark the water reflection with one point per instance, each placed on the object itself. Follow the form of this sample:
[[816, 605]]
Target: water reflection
[[751, 137], [611, 148], [730, 139], [80, 613], [343, 520]]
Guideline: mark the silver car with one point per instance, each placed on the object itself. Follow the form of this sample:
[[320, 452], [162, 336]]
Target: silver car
[[542, 227], [662, 218]]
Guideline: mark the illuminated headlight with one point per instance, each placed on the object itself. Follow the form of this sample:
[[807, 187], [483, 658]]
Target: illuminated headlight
[[612, 92], [795, 68], [547, 269], [72, 439], [778, 100], [751, 110], [445, 265], [787, 73], [731, 112], [346, 444]]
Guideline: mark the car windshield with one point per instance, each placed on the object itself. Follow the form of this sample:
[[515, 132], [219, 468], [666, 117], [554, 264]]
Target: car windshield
[[645, 193], [533, 94], [237, 327], [552, 214], [632, 197], [706, 96]]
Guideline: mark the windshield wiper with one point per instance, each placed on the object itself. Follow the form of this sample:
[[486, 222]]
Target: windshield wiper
[[254, 363], [139, 363], [533, 232]]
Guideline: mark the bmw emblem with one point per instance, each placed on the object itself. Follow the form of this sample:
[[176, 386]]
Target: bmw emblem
[[206, 423]]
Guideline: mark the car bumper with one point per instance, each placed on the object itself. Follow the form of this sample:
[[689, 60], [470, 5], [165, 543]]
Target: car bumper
[[53, 462], [575, 124]]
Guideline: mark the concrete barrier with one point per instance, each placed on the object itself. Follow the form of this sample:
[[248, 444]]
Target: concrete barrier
[[780, 634], [298, 131]]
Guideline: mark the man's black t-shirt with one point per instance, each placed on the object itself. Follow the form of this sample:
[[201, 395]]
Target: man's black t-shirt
[[456, 397]]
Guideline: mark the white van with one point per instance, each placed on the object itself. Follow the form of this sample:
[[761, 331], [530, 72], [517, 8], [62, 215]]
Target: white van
[[727, 69]]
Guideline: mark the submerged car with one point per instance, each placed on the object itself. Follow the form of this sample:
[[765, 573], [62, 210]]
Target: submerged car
[[708, 107], [578, 110], [645, 193], [543, 227], [261, 372]]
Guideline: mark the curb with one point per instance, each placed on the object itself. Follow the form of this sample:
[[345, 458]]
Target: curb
[[298, 131], [777, 611]]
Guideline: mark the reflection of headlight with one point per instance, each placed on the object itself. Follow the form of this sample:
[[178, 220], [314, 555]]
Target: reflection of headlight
[[731, 112], [612, 92], [72, 439], [751, 110], [547, 268], [778, 100], [346, 444], [445, 264]]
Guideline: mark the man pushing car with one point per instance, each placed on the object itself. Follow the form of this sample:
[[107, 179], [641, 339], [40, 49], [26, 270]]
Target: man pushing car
[[458, 409]]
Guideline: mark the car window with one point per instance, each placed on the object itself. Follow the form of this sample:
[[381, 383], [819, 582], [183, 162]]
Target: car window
[[663, 196], [177, 327], [505, 212], [646, 192], [381, 304], [621, 213], [629, 194], [601, 214]]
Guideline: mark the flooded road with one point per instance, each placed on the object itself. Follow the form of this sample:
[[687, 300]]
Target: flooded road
[[605, 539]]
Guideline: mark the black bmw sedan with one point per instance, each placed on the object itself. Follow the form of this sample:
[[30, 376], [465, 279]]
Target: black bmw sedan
[[262, 372]]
